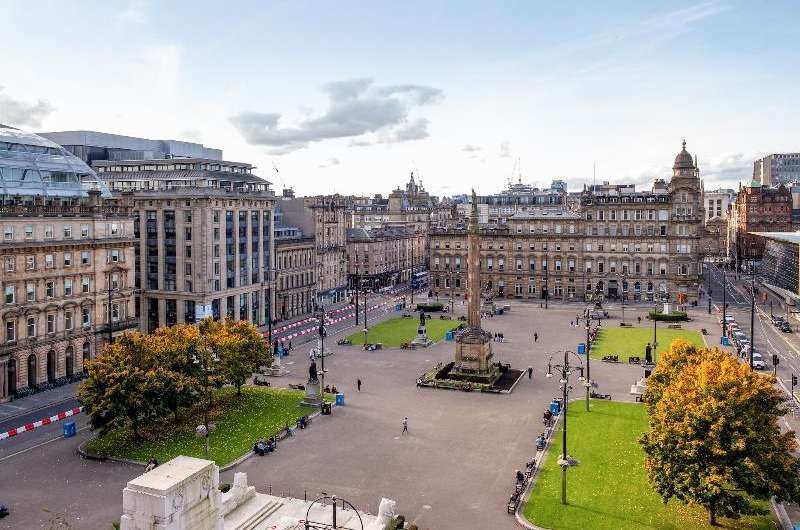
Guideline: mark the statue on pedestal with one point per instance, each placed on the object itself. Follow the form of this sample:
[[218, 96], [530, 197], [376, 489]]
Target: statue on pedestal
[[312, 372]]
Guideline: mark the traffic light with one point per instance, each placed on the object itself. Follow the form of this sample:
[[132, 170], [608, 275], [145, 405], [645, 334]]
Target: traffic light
[[775, 359], [794, 380]]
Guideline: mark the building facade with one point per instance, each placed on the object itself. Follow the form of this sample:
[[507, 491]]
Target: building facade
[[90, 146], [759, 209], [295, 276], [67, 263], [776, 169], [205, 244], [384, 257], [717, 201], [617, 243], [325, 217]]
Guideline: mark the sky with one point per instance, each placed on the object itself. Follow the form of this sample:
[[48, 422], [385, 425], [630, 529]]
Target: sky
[[350, 97]]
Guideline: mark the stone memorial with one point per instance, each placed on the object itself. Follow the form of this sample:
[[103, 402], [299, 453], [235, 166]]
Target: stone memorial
[[183, 494], [313, 397], [422, 333]]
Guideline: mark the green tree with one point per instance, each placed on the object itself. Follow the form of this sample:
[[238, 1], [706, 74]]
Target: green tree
[[714, 438], [241, 349], [124, 383]]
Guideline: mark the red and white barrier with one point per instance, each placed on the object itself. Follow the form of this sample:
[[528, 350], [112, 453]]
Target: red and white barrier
[[44, 421], [328, 319]]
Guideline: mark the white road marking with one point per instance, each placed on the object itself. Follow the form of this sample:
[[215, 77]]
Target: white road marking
[[40, 444]]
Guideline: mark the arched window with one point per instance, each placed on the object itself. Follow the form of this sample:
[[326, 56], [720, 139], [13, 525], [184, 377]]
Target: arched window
[[12, 376], [51, 366], [69, 361], [87, 355], [32, 379]]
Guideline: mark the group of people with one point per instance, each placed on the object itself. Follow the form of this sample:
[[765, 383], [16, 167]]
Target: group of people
[[262, 447], [282, 347], [498, 337], [152, 463]]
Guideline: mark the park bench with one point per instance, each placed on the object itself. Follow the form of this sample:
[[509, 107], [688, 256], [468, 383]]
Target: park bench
[[610, 358], [634, 360], [674, 326]]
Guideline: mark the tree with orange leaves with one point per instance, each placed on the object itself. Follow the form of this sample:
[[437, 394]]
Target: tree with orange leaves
[[714, 438]]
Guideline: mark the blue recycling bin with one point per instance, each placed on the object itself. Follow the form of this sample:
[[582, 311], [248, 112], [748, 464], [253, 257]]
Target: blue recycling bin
[[555, 407], [398, 307], [339, 399], [725, 341], [450, 335], [69, 429]]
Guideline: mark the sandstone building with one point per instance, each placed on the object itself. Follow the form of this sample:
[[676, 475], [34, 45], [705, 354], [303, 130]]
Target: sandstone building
[[67, 263]]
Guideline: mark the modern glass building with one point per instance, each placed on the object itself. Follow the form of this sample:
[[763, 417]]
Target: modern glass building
[[32, 166], [780, 266]]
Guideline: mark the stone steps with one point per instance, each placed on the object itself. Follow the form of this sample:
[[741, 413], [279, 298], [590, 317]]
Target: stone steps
[[252, 513]]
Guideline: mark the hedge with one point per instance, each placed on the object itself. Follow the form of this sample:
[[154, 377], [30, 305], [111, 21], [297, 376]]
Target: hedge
[[430, 307], [675, 316]]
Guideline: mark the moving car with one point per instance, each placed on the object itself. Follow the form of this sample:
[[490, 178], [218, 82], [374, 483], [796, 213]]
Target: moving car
[[758, 361]]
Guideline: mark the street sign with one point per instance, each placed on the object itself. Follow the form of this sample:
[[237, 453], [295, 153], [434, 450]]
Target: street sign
[[581, 349]]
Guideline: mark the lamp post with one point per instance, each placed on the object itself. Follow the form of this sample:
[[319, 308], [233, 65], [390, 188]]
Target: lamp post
[[357, 282], [588, 383], [410, 279], [623, 289], [565, 370], [752, 303], [322, 350], [546, 289]]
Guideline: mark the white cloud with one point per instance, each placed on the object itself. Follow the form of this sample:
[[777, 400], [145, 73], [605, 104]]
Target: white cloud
[[21, 114], [505, 150], [135, 12], [333, 161], [469, 148], [357, 108]]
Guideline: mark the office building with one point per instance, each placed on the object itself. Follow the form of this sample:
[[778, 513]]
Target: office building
[[776, 169], [204, 232]]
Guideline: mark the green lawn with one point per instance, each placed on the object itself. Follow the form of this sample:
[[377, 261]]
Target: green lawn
[[392, 333], [257, 413], [632, 341], [609, 490]]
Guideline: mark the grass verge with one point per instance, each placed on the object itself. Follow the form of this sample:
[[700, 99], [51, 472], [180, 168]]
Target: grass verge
[[627, 342], [609, 489], [392, 333], [240, 421]]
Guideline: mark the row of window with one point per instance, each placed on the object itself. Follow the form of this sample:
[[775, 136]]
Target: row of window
[[85, 256], [69, 323], [68, 287], [31, 232]]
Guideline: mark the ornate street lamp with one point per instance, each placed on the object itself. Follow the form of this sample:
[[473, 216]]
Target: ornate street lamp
[[565, 370]]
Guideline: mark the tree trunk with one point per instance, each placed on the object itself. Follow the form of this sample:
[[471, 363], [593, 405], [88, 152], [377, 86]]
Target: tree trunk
[[238, 389], [712, 515]]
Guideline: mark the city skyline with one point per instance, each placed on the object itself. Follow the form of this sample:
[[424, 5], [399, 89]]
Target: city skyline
[[465, 97]]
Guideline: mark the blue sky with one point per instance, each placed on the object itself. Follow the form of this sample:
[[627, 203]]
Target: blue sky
[[352, 96]]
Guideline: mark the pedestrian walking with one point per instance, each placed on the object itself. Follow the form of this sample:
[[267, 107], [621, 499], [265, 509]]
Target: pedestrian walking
[[290, 345], [530, 372], [639, 318], [358, 384], [405, 426], [535, 337]]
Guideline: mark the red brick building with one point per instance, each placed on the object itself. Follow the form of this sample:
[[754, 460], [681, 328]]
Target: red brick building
[[760, 209]]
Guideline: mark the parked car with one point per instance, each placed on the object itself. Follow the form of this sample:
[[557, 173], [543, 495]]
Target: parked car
[[729, 319], [785, 327]]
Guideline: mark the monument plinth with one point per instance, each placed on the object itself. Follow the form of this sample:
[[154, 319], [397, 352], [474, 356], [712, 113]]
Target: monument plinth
[[422, 333], [473, 366], [313, 397]]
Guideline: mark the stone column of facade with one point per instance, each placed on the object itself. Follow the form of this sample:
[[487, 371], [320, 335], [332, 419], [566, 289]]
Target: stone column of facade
[[3, 380]]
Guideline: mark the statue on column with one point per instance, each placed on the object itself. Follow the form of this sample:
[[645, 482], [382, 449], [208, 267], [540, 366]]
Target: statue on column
[[422, 318]]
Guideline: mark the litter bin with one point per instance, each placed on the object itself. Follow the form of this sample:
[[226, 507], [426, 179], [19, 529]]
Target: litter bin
[[724, 341], [339, 399], [555, 407], [398, 307], [450, 335], [69, 429], [326, 408]]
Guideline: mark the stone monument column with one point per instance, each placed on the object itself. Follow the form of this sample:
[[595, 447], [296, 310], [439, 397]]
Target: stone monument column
[[473, 268]]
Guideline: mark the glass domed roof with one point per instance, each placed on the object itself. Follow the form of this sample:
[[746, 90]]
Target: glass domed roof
[[31, 165]]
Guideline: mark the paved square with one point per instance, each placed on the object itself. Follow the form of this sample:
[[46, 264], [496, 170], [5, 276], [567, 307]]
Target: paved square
[[454, 470]]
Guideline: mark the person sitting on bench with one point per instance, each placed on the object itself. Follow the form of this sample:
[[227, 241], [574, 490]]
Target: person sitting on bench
[[272, 444], [520, 476], [540, 442], [260, 448]]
